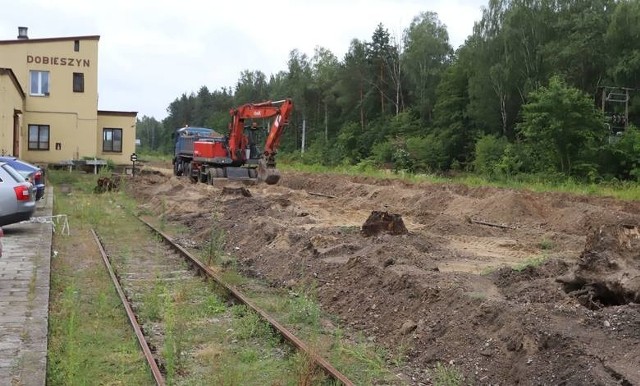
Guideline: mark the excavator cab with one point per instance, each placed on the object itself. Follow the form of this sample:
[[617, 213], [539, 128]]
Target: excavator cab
[[243, 140]]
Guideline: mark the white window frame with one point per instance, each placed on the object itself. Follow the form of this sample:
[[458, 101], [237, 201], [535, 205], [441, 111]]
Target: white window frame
[[41, 85]]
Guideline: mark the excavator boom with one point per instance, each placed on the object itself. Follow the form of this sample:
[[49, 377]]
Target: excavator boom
[[280, 112]]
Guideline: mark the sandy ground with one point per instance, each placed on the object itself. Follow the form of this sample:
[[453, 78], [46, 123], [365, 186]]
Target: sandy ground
[[509, 287]]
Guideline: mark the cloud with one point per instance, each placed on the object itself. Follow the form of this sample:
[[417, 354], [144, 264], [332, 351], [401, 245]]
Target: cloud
[[153, 51]]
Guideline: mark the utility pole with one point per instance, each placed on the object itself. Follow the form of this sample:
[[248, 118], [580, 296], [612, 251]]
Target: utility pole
[[304, 134]]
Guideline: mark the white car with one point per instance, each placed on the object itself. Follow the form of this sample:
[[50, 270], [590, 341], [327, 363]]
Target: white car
[[17, 196]]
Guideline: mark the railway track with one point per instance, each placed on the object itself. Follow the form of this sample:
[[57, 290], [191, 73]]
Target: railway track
[[141, 279]]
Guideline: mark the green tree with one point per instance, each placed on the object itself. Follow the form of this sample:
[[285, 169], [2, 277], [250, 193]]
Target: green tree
[[623, 44], [218, 116], [251, 87], [352, 84], [562, 126], [577, 49], [381, 56], [149, 132], [451, 118], [426, 54], [324, 65], [203, 107]]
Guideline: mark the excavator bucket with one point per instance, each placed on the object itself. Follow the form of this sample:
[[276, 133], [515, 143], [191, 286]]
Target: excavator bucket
[[266, 174]]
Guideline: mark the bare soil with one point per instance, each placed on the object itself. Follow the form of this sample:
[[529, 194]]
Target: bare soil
[[509, 287]]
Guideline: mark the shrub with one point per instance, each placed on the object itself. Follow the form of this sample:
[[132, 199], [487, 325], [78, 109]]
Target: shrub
[[490, 151]]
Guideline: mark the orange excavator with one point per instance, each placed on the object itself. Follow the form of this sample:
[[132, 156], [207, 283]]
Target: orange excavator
[[205, 156]]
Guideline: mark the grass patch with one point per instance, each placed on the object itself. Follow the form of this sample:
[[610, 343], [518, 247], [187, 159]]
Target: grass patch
[[304, 309], [89, 336], [477, 295], [546, 244], [625, 190], [446, 375], [534, 261]]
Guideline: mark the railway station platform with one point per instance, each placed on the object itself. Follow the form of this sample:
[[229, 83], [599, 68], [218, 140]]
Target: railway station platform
[[24, 297]]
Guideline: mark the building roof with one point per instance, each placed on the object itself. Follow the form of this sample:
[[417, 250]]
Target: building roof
[[42, 40], [12, 76], [118, 113]]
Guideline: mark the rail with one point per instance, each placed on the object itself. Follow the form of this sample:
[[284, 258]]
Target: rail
[[155, 370], [288, 335]]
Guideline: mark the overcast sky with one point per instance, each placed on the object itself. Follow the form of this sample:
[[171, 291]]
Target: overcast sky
[[153, 51]]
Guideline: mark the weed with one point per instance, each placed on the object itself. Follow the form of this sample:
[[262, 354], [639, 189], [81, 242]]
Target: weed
[[68, 359], [446, 375], [214, 251], [32, 283], [534, 261], [349, 229], [304, 309], [308, 372], [250, 325], [546, 244], [171, 350], [400, 354], [477, 295], [212, 306], [488, 270], [163, 210], [364, 360], [154, 303]]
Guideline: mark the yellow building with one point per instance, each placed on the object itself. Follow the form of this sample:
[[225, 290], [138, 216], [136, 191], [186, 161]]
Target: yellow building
[[49, 103]]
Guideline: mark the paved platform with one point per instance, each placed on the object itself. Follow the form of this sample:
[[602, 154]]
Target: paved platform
[[24, 298]]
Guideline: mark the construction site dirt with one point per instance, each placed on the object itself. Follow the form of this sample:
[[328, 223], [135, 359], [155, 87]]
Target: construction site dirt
[[508, 287]]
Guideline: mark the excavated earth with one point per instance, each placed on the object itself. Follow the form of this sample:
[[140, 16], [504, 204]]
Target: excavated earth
[[508, 287]]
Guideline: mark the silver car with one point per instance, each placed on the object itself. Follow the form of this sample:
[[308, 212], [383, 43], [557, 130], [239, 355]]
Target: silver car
[[17, 196]]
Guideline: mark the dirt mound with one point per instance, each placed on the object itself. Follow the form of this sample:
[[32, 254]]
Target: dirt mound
[[608, 271], [482, 299], [380, 222]]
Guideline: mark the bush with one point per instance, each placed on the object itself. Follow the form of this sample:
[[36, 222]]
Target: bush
[[490, 151], [382, 152], [620, 158]]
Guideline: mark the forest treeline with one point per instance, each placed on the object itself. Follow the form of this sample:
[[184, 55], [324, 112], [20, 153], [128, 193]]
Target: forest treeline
[[543, 87]]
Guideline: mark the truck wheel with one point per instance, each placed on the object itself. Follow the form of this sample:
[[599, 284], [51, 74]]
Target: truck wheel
[[189, 172], [211, 174], [203, 177]]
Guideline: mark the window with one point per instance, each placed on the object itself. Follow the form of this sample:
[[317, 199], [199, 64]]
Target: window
[[78, 82], [76, 45], [112, 140], [39, 83], [38, 137]]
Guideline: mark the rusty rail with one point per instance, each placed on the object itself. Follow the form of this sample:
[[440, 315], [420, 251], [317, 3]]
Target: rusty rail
[[288, 335], [157, 375]]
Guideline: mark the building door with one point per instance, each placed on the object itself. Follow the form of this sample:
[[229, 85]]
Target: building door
[[16, 134]]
